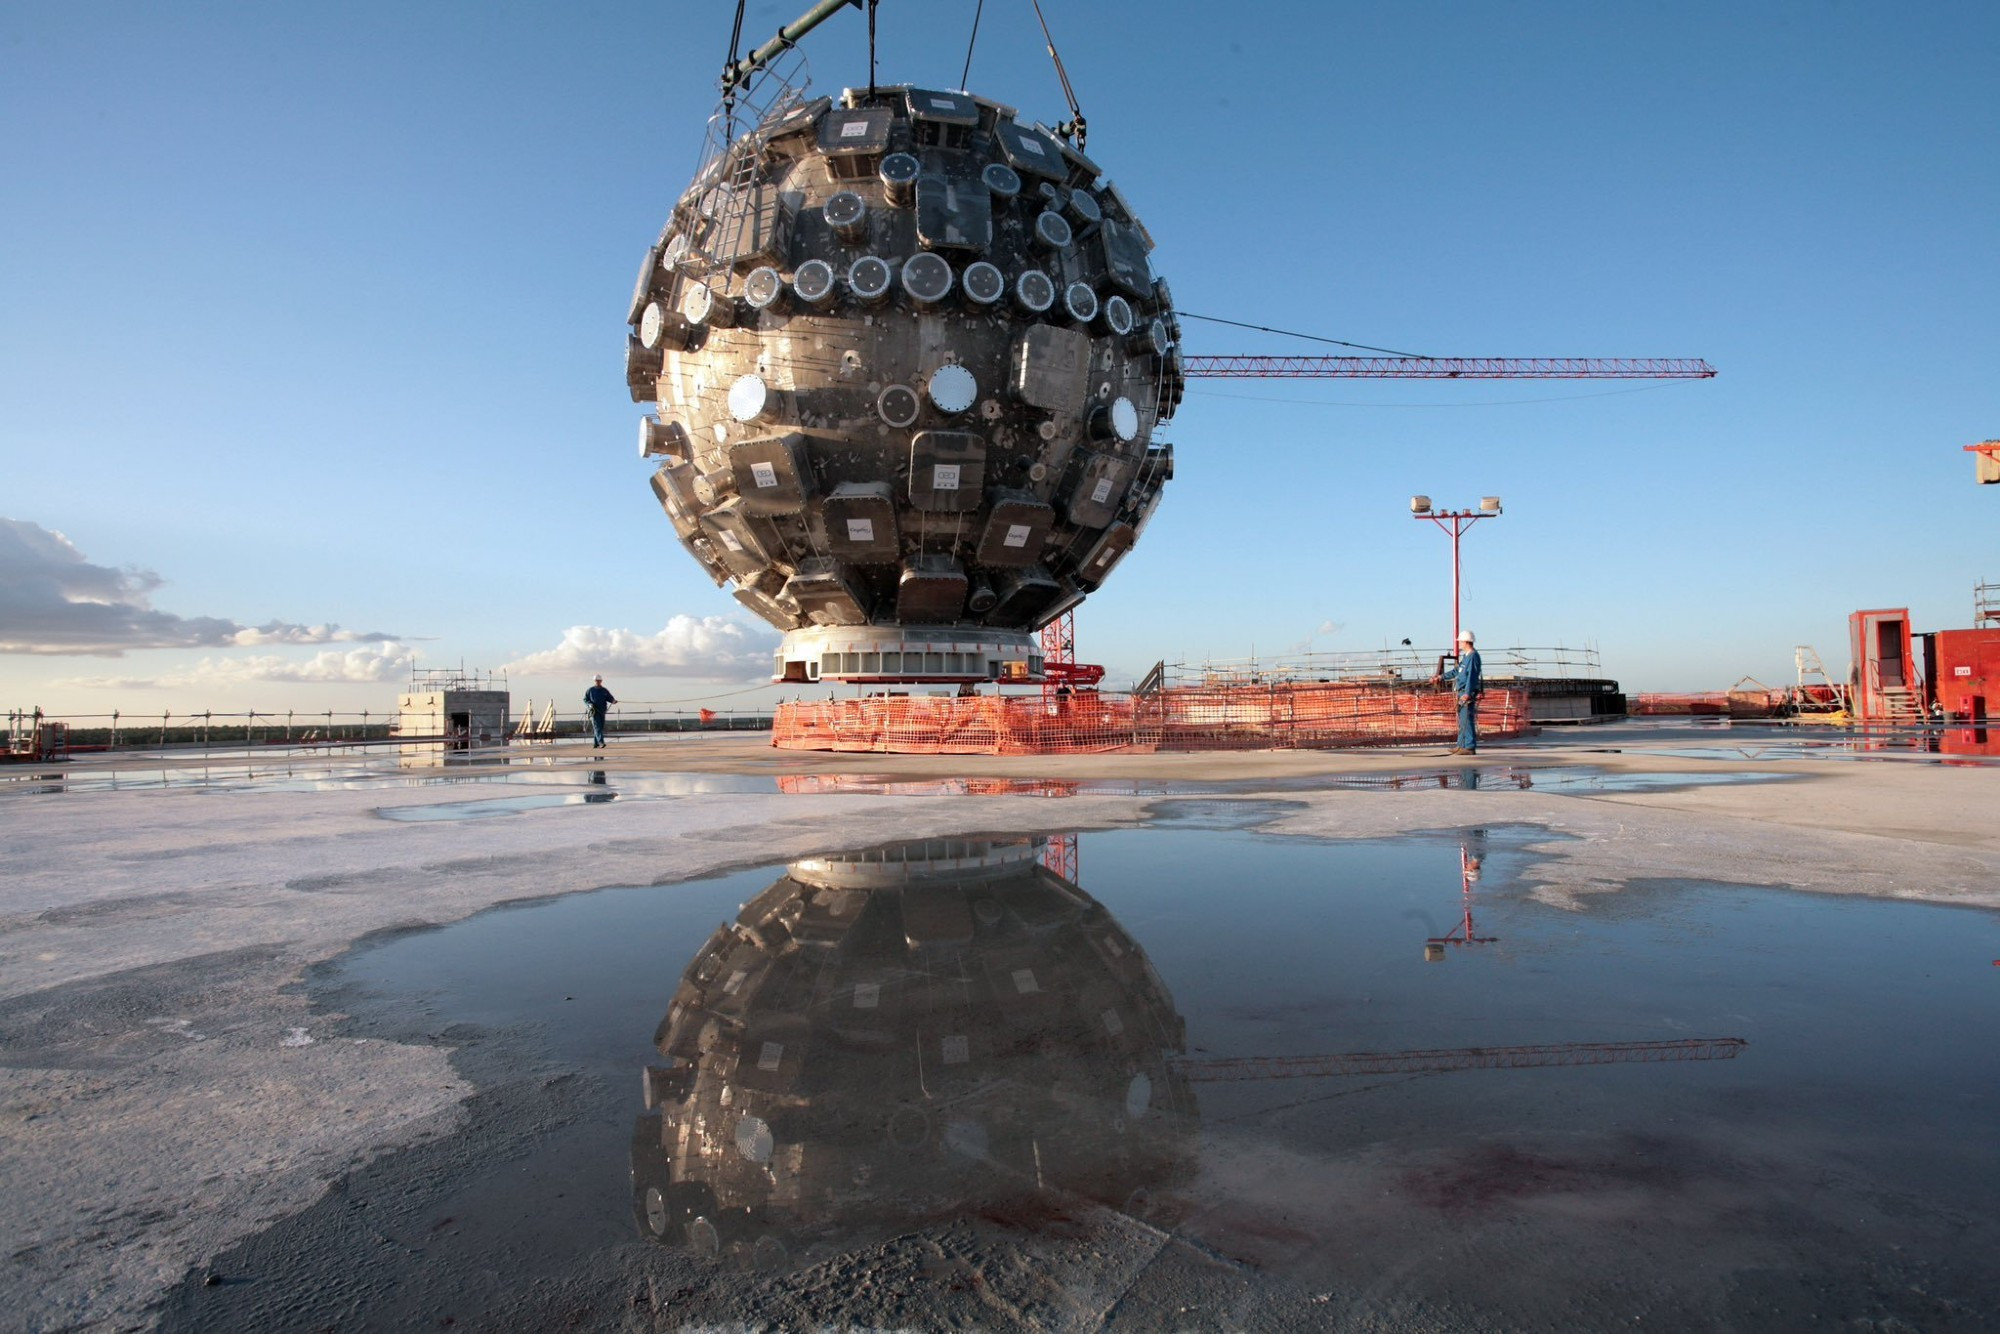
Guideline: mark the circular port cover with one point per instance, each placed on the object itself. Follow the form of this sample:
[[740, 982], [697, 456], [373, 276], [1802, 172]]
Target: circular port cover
[[697, 303], [1081, 302], [762, 287], [984, 284], [927, 277], [1053, 231], [652, 324], [748, 398], [1035, 290], [814, 281], [1124, 419], [899, 169], [1118, 315], [1001, 179], [845, 211], [897, 405], [868, 277], [953, 389]]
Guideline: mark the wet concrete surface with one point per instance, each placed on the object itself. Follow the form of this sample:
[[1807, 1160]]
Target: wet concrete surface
[[180, 972], [893, 1050]]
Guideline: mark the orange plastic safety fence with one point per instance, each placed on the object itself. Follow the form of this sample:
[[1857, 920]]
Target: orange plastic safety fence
[[1269, 717], [1739, 703]]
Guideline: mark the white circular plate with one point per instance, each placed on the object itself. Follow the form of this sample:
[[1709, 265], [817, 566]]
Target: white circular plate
[[953, 389], [748, 398]]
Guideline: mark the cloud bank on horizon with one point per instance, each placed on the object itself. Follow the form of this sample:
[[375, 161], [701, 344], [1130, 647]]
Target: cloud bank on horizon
[[55, 601], [703, 648], [368, 665]]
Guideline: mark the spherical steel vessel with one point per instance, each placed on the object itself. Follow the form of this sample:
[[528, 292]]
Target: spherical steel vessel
[[907, 358]]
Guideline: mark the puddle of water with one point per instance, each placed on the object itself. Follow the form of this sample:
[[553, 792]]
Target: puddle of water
[[1480, 777], [486, 810], [599, 788], [1315, 1061], [630, 786]]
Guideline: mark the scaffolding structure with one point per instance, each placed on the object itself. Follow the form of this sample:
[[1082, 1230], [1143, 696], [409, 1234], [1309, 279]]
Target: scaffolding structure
[[1402, 663], [438, 680]]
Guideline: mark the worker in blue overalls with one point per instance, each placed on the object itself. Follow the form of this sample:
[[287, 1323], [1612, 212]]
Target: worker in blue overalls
[[1467, 685], [597, 699]]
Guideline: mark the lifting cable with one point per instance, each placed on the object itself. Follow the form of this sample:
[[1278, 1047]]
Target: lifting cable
[[729, 74], [967, 73], [1311, 338], [872, 4], [1076, 127]]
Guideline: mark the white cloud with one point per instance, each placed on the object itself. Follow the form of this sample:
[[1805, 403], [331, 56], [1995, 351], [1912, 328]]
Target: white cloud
[[709, 648], [368, 665], [54, 601]]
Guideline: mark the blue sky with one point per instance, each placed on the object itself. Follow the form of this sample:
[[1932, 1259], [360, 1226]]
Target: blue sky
[[311, 340]]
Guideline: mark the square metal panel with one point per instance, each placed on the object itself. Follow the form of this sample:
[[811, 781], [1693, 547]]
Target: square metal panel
[[1105, 554], [769, 609], [953, 214], [1125, 258], [1016, 530], [944, 108], [752, 229], [947, 470], [931, 591], [855, 133], [1031, 151], [1101, 483], [736, 541], [1051, 368], [799, 121], [1025, 597], [1082, 171], [773, 475], [860, 519], [676, 497], [825, 595]]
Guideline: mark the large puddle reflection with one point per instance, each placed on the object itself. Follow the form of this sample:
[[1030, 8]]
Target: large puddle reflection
[[897, 1037], [1393, 1073]]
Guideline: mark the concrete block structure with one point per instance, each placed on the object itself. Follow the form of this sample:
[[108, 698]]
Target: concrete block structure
[[458, 708]]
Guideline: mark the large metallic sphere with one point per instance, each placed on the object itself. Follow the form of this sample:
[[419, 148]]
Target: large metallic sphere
[[908, 357]]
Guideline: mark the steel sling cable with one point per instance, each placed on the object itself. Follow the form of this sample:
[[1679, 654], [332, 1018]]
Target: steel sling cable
[[966, 73]]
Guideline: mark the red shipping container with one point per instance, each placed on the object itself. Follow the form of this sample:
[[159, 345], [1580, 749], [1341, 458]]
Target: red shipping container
[[1967, 676]]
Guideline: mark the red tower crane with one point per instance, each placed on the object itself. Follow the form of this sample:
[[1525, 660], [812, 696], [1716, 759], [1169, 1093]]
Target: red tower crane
[[1059, 636], [1447, 368]]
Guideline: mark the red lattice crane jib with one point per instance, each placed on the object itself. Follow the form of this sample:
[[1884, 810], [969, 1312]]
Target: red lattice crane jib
[[1447, 368]]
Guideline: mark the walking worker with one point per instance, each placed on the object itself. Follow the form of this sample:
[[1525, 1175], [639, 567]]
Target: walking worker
[[1467, 685], [597, 699]]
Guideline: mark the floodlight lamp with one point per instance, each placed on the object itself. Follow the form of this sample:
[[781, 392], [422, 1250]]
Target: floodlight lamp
[[1420, 504], [1489, 504]]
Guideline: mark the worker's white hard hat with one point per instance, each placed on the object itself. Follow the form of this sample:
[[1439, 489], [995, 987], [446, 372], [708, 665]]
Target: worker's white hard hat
[[1465, 637]]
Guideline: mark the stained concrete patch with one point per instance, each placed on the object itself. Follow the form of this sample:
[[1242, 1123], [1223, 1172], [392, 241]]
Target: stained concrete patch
[[157, 1114]]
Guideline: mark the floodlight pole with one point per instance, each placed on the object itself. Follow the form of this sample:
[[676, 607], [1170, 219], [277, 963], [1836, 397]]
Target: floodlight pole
[[1455, 522]]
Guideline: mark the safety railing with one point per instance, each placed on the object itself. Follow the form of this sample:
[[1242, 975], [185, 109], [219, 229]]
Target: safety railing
[[28, 731]]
